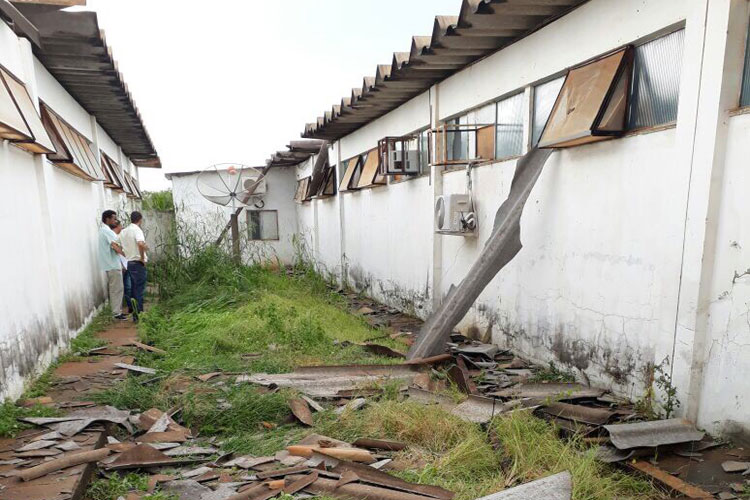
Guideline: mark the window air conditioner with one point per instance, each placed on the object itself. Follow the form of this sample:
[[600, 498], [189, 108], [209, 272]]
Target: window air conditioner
[[411, 166], [454, 214]]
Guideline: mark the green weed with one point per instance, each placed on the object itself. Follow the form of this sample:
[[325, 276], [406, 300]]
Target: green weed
[[10, 426]]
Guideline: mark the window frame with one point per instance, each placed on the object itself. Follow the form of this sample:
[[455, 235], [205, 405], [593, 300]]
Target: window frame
[[260, 227], [35, 143], [594, 131]]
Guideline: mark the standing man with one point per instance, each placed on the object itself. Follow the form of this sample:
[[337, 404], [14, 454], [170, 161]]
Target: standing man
[[110, 263], [134, 245], [125, 274]]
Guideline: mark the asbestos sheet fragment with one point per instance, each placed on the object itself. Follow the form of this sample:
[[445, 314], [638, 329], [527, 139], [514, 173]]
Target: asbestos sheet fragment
[[352, 405], [36, 445], [579, 413], [248, 462], [369, 475], [734, 466], [552, 391], [459, 375], [487, 350], [313, 404], [652, 434], [501, 247], [136, 368], [379, 444], [301, 411], [327, 381], [186, 451], [557, 487], [185, 489], [144, 456]]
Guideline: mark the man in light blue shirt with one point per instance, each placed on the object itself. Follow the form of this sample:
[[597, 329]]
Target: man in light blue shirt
[[110, 262]]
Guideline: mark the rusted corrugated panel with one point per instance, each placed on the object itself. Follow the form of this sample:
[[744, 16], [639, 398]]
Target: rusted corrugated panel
[[557, 487], [481, 28], [652, 434]]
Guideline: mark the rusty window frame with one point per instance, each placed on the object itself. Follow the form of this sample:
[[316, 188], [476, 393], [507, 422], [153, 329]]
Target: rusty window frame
[[77, 156]]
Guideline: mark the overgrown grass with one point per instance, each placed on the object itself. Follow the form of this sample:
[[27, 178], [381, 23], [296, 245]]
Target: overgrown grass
[[10, 426], [118, 485], [212, 313], [158, 200]]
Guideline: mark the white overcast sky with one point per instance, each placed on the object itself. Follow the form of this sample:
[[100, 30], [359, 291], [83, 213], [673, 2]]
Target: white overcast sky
[[235, 80]]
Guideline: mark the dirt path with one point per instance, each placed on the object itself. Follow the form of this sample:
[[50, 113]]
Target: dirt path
[[72, 382]]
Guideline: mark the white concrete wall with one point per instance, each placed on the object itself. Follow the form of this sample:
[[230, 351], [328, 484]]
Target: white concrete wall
[[612, 280], [52, 284], [200, 221]]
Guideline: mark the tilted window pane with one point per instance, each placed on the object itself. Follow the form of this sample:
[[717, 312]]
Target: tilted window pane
[[269, 225], [509, 130], [12, 125], [745, 95], [656, 81], [545, 96]]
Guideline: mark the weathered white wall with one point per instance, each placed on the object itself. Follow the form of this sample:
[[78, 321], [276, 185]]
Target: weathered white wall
[[200, 221], [612, 277], [52, 284], [726, 383]]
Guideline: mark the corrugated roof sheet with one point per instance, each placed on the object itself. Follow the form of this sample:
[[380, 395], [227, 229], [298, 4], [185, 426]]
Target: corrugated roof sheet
[[481, 28], [75, 52], [297, 152]]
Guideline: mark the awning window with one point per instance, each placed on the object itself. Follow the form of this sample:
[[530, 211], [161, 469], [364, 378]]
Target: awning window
[[301, 194], [116, 179], [328, 188], [352, 174], [592, 103], [74, 152], [370, 176], [135, 190], [36, 139]]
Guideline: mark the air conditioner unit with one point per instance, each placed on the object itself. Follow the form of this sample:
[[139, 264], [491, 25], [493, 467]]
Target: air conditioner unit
[[411, 166], [454, 214]]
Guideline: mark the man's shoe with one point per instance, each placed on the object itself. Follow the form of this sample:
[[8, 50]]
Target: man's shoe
[[121, 317]]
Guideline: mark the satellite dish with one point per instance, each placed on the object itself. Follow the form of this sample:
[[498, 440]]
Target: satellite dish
[[232, 185]]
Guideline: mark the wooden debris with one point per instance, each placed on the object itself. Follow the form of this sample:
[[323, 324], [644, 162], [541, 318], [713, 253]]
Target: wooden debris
[[69, 460], [669, 480], [145, 347]]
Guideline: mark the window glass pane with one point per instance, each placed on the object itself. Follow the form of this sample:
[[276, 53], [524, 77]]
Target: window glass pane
[[12, 125], [269, 225], [509, 140], [544, 98], [745, 96], [253, 224], [424, 151], [656, 81]]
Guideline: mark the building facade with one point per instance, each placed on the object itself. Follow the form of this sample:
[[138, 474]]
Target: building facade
[[69, 150], [636, 255]]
